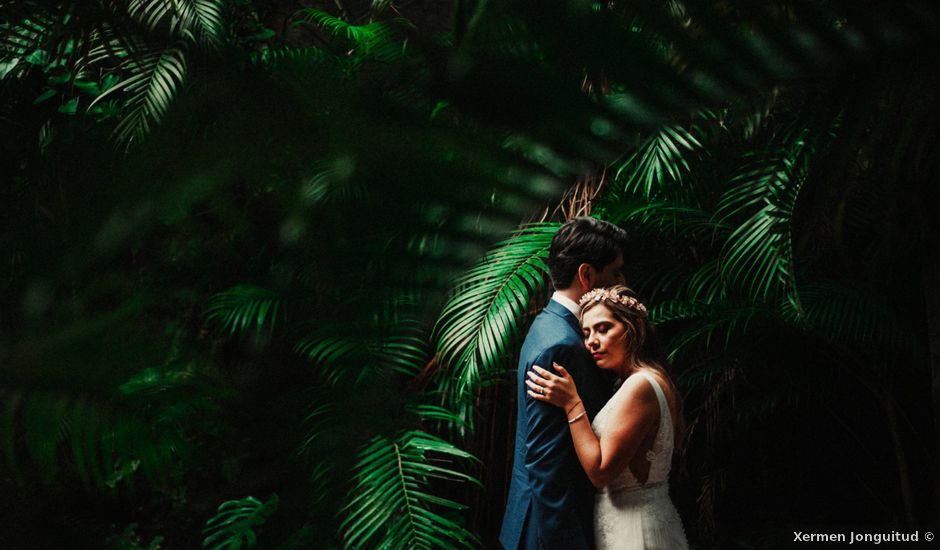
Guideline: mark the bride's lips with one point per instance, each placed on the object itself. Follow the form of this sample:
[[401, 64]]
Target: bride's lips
[[597, 355]]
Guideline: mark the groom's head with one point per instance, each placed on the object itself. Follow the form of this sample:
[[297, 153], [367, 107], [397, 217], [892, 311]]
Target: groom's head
[[587, 253]]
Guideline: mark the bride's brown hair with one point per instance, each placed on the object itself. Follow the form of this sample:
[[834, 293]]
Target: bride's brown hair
[[642, 342]]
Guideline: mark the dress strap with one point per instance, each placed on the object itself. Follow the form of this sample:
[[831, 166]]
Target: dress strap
[[663, 402]]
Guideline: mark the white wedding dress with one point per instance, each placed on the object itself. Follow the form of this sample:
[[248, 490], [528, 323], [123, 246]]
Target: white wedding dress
[[630, 515]]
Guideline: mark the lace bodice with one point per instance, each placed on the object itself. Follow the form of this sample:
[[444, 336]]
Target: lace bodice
[[659, 455]]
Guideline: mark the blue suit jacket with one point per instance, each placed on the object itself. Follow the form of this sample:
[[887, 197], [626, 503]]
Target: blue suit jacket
[[551, 500]]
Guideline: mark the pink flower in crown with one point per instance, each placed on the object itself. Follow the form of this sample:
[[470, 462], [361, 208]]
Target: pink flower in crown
[[599, 294]]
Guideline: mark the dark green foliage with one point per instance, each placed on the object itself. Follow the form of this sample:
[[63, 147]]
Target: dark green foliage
[[230, 227], [245, 310], [143, 46], [234, 525], [392, 499], [478, 327]]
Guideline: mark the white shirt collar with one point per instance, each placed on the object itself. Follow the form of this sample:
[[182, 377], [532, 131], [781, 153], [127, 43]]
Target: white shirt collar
[[569, 304]]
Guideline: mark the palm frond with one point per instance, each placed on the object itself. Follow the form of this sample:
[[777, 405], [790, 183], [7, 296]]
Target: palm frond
[[331, 436], [657, 277], [705, 284], [392, 504], [714, 326], [317, 422], [107, 444], [668, 218], [479, 324], [677, 310], [758, 255], [153, 86], [659, 162], [29, 26], [369, 39], [853, 316], [273, 56], [153, 68], [246, 310], [44, 421], [434, 413], [718, 380], [330, 182], [234, 525], [206, 16], [401, 348], [380, 5], [748, 117], [196, 20]]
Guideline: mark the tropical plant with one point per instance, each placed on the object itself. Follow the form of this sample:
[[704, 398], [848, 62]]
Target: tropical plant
[[139, 50], [391, 505], [234, 525], [241, 301], [478, 326], [721, 201]]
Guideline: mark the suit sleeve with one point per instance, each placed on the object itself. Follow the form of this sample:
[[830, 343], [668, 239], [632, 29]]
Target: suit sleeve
[[549, 454]]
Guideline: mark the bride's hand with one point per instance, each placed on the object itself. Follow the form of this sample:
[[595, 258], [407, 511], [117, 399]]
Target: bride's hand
[[559, 390]]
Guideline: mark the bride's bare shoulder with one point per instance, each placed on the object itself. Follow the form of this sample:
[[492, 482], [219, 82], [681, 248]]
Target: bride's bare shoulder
[[638, 387], [637, 390], [634, 409]]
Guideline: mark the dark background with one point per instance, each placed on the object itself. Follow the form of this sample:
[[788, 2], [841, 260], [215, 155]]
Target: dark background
[[237, 271]]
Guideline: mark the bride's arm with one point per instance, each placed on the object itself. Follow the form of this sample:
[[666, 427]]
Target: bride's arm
[[627, 426]]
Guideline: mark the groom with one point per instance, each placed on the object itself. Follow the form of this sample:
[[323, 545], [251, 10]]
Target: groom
[[551, 501]]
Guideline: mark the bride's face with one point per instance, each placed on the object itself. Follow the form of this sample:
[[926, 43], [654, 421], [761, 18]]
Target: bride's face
[[605, 337]]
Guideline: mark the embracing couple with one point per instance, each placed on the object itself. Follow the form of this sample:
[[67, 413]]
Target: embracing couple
[[591, 464]]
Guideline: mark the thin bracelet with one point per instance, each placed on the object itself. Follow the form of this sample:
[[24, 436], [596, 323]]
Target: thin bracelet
[[573, 407], [575, 419]]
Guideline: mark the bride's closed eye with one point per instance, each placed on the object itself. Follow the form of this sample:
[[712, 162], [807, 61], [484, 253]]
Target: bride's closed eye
[[601, 329]]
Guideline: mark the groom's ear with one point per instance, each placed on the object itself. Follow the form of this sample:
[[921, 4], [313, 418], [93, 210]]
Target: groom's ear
[[586, 276]]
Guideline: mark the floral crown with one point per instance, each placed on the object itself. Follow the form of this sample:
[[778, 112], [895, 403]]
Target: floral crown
[[602, 294]]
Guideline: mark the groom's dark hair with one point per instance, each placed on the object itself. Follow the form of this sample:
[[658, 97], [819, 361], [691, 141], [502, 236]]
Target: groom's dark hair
[[583, 240]]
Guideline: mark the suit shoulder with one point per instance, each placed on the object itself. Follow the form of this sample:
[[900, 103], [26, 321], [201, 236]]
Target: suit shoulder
[[550, 326], [560, 344]]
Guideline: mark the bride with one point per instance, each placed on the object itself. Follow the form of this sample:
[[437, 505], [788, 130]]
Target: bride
[[627, 452]]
